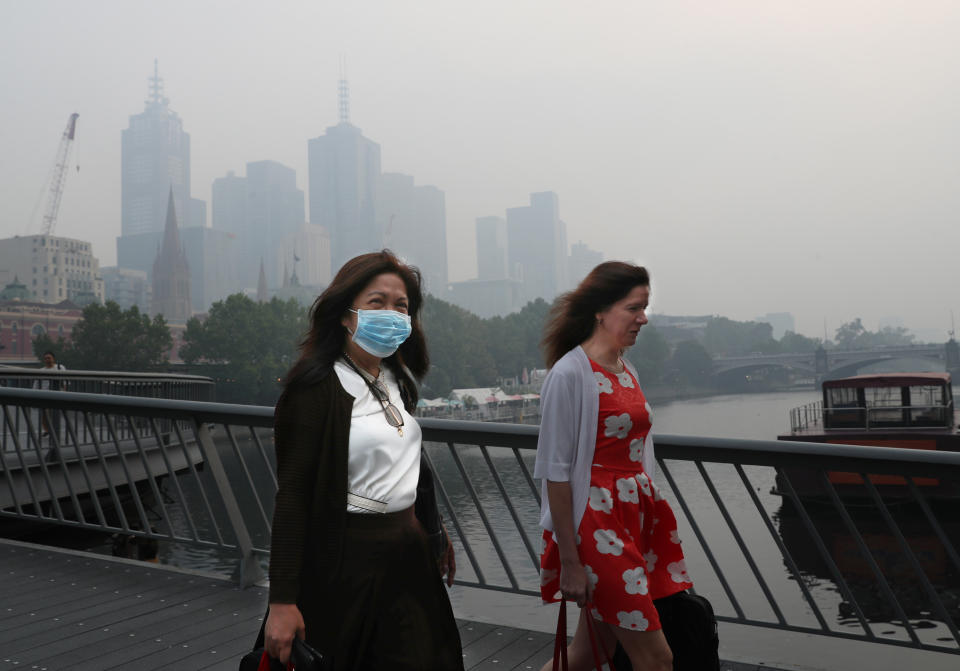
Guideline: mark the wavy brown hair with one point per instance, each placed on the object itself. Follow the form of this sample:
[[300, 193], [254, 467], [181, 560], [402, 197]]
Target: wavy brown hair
[[325, 339], [574, 315]]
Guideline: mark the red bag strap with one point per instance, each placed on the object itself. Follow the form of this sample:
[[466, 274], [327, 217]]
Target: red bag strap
[[596, 643], [264, 664], [560, 642]]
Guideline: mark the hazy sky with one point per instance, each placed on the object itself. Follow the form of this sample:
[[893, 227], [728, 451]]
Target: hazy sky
[[756, 155]]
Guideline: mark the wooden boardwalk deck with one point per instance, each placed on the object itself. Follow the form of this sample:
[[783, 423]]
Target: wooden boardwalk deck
[[61, 609]]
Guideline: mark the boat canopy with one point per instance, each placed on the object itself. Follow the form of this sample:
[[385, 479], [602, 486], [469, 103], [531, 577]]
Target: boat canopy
[[888, 380]]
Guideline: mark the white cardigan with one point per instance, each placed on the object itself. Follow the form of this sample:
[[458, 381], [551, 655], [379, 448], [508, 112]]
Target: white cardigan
[[569, 411]]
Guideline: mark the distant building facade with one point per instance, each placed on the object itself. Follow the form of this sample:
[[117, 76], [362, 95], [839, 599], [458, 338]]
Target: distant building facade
[[487, 298], [53, 269], [23, 321], [413, 222], [154, 161], [261, 209], [780, 321], [127, 287], [491, 248], [214, 260], [537, 247], [582, 261], [171, 274]]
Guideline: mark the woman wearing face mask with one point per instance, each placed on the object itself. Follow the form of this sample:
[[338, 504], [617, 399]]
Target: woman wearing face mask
[[351, 570]]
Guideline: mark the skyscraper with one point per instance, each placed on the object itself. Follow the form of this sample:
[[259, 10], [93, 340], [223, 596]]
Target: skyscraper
[[491, 248], [344, 174], [537, 247], [154, 162], [262, 210], [413, 221]]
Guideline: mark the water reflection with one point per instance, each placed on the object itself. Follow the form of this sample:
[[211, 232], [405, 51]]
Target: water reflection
[[882, 563]]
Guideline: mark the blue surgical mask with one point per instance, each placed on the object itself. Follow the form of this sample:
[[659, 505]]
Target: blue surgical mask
[[381, 332]]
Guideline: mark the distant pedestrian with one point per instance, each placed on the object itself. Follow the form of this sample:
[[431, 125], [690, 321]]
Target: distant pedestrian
[[351, 567], [610, 538], [49, 360]]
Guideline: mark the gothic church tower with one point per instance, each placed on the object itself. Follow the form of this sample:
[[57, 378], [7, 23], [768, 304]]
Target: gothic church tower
[[171, 274]]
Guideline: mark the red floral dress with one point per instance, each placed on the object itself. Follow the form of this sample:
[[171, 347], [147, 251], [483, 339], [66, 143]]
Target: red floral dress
[[627, 540]]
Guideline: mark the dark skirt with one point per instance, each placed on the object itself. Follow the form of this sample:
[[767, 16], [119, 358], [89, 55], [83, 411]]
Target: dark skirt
[[388, 607]]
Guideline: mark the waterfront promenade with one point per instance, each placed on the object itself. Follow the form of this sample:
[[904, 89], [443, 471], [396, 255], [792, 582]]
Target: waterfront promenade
[[64, 609]]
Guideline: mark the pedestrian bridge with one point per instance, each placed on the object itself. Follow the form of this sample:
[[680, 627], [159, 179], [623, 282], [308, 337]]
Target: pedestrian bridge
[[834, 583]]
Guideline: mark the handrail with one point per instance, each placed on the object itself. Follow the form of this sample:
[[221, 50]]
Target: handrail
[[202, 474]]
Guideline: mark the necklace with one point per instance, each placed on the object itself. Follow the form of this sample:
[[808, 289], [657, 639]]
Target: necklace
[[365, 372], [615, 370], [379, 392]]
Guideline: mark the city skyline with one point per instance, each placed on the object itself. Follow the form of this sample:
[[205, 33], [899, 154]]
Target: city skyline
[[778, 158]]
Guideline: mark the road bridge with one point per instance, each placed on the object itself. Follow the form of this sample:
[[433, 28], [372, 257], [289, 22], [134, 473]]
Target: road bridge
[[836, 362]]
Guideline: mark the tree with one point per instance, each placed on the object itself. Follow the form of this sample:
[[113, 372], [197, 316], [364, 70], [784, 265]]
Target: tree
[[649, 355], [459, 349], [692, 362], [110, 339], [726, 337], [247, 346], [794, 343], [852, 335]]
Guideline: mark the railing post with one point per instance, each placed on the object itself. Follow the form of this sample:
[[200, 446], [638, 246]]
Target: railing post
[[250, 571]]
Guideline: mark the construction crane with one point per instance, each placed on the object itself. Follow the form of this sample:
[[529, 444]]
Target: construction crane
[[59, 175]]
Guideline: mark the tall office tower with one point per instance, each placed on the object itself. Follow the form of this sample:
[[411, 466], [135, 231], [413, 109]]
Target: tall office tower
[[306, 253], [537, 247], [262, 209], [413, 223], [582, 261], [127, 287], [214, 260], [171, 274], [154, 161], [491, 248], [344, 174]]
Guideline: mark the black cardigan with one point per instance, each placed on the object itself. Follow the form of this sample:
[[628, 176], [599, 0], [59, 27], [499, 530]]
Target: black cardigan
[[311, 438]]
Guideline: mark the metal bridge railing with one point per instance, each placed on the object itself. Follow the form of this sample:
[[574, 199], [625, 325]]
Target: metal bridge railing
[[848, 542]]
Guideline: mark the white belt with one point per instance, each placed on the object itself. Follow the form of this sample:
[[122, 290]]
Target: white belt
[[372, 505]]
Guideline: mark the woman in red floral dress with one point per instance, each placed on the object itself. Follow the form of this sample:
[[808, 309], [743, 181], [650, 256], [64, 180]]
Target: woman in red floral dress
[[610, 538]]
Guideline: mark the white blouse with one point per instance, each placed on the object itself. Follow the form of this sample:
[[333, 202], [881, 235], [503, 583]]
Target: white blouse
[[381, 464]]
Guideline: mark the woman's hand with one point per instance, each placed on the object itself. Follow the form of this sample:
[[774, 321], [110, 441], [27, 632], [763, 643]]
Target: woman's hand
[[448, 564], [283, 623], [574, 584]]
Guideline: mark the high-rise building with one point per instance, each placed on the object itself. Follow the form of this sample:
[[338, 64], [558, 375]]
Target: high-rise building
[[53, 269], [127, 287], [582, 261], [214, 261], [262, 209], [491, 248], [154, 161], [171, 274], [344, 175], [537, 247], [413, 221]]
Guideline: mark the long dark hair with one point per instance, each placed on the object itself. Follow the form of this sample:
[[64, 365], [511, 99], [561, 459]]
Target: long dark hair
[[573, 315], [325, 339]]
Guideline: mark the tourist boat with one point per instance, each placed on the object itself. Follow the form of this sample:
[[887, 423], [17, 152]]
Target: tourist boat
[[908, 410]]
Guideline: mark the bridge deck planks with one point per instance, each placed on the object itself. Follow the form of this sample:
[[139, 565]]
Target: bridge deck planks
[[68, 610]]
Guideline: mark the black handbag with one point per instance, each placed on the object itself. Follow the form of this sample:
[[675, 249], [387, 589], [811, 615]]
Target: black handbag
[[690, 628], [428, 512], [303, 657]]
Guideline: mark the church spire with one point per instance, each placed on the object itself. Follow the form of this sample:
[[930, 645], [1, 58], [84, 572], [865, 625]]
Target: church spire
[[262, 284]]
